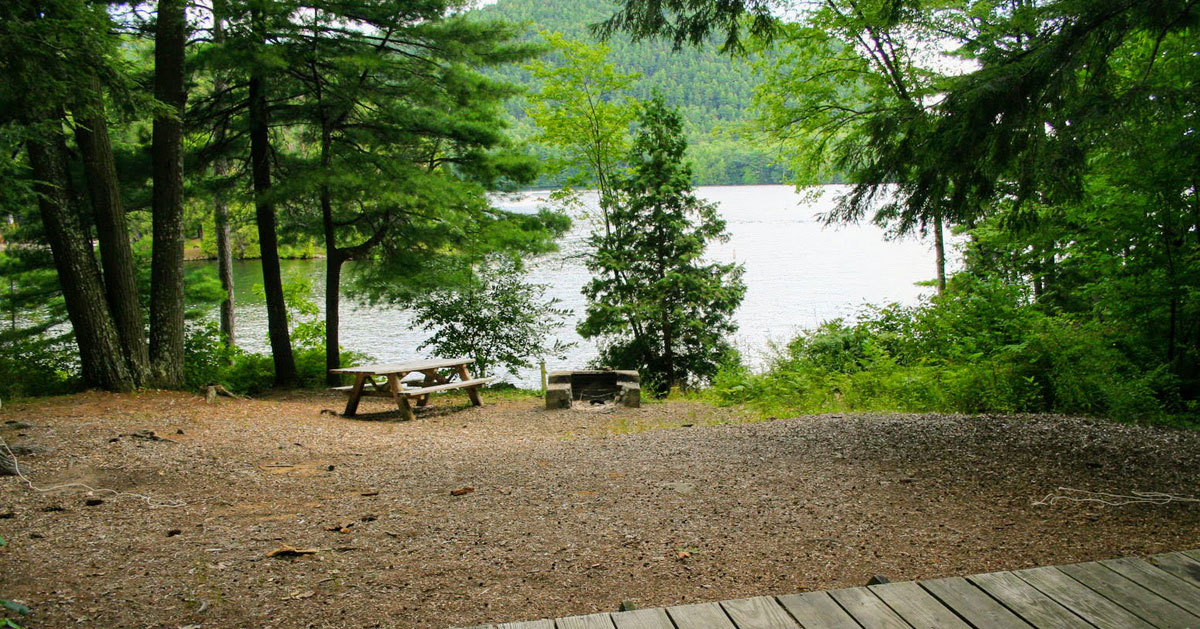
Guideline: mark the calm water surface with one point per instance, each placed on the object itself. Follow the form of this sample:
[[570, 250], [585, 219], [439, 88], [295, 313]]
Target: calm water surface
[[798, 274]]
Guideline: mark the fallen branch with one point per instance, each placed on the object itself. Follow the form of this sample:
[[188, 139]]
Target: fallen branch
[[1113, 500]]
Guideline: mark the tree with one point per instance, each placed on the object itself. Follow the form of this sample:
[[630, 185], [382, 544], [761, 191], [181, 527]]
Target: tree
[[50, 56], [221, 223], [499, 319], [833, 69], [670, 313], [830, 77], [393, 138], [166, 282], [582, 110]]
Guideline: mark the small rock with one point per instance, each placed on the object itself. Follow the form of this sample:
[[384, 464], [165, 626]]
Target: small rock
[[683, 489], [174, 532], [179, 431]]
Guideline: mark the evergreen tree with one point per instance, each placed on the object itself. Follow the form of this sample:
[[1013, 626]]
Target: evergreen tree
[[385, 139], [53, 58], [655, 303]]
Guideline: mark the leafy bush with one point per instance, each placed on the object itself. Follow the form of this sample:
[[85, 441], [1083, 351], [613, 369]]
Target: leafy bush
[[980, 348], [207, 360], [499, 319]]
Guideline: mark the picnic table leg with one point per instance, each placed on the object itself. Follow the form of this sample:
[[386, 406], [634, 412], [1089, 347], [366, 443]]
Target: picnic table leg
[[431, 378], [352, 403], [472, 392], [401, 399]]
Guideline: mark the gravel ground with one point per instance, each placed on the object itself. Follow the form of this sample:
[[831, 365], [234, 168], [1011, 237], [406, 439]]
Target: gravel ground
[[569, 512]]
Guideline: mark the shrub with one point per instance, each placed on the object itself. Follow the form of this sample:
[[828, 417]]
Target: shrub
[[978, 349]]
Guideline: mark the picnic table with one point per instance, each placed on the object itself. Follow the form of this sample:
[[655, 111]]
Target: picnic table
[[388, 380]]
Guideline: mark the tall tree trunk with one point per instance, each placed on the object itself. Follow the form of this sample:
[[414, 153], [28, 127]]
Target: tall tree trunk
[[334, 258], [116, 255], [101, 359], [333, 281], [224, 257], [264, 214], [221, 216], [939, 247], [166, 270]]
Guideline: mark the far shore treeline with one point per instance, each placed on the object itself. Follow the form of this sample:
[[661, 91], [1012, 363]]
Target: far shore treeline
[[1056, 138]]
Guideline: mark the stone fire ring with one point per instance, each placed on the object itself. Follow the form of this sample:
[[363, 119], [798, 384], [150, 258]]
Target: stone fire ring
[[588, 387]]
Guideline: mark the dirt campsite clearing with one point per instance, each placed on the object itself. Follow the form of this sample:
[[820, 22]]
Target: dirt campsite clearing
[[278, 512]]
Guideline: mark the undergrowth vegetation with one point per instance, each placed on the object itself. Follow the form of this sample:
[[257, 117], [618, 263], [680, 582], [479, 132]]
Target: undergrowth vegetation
[[980, 348]]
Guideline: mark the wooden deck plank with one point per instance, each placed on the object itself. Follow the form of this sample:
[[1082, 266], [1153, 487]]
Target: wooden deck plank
[[868, 609], [1082, 600], [917, 607], [590, 621], [817, 610], [1149, 606], [643, 619], [1156, 580], [700, 616], [1109, 594], [1026, 601], [972, 603], [760, 612], [1179, 565]]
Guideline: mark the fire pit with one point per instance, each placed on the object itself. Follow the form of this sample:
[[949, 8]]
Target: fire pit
[[593, 387]]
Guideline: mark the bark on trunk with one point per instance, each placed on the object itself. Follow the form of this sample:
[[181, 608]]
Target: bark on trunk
[[277, 325], [333, 281], [166, 275], [221, 218], [116, 255], [939, 246], [101, 359], [333, 268], [224, 258]]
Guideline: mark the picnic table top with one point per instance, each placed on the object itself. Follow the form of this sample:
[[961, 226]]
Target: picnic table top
[[380, 369]]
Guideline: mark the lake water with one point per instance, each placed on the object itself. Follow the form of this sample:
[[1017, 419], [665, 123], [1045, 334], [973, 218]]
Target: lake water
[[798, 274]]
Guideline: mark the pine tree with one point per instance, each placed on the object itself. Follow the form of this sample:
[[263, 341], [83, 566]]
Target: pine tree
[[671, 312]]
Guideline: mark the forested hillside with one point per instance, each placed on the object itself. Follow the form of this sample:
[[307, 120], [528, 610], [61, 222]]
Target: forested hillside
[[713, 91]]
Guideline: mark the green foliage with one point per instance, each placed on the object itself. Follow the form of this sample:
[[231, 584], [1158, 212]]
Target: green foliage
[[583, 110], [499, 319], [209, 361], [654, 303], [712, 91], [981, 348], [38, 357]]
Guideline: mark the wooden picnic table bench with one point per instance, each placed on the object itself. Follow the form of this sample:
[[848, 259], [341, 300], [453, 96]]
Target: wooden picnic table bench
[[436, 375]]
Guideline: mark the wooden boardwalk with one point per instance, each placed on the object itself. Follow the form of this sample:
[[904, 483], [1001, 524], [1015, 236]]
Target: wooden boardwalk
[[1162, 591]]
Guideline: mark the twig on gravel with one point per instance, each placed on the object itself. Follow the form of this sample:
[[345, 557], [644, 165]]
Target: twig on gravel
[[1113, 500]]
